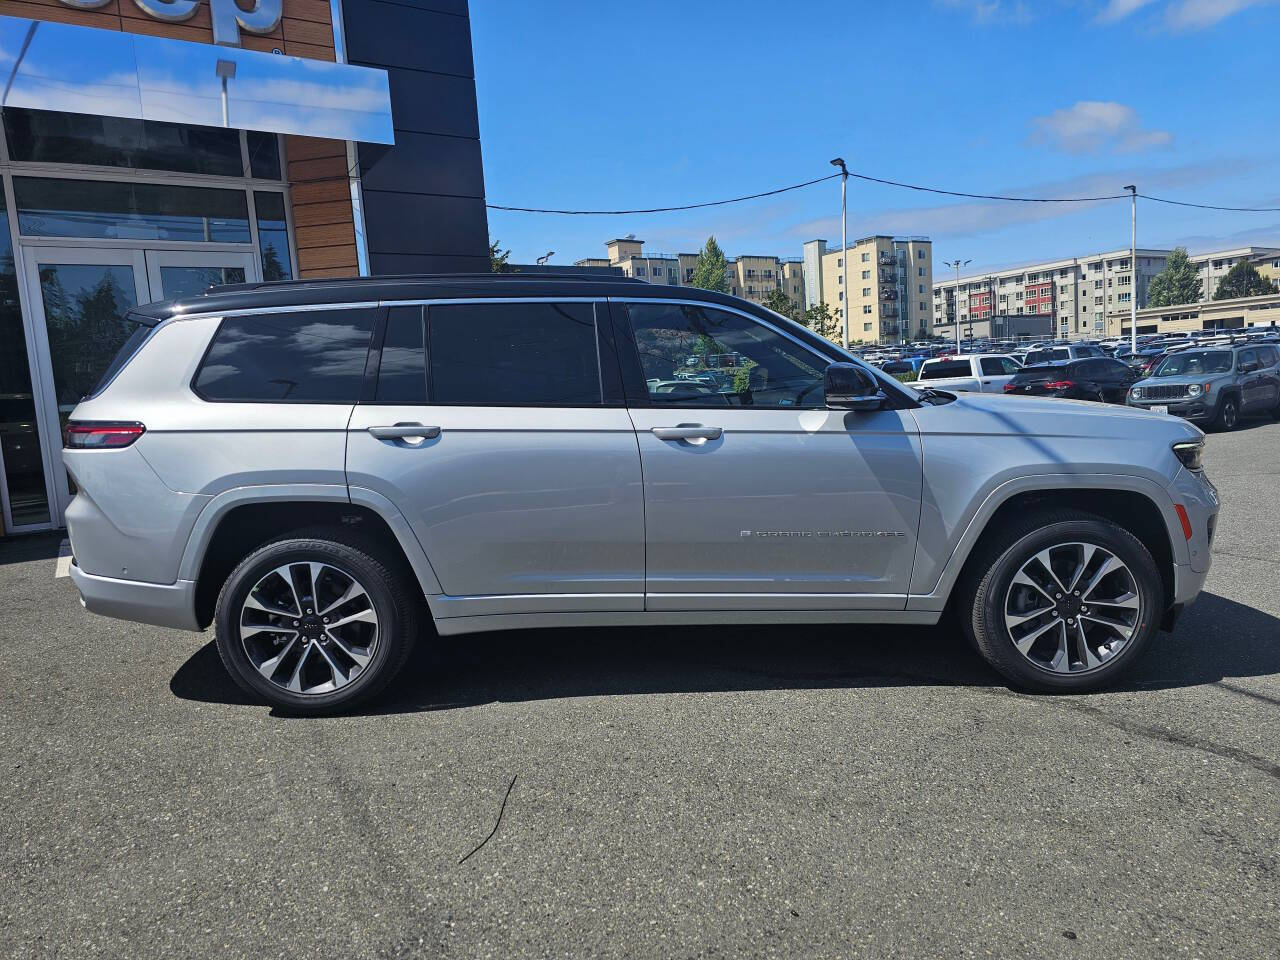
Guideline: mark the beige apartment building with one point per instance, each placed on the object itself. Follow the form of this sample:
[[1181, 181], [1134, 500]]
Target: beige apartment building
[[1079, 293], [887, 296], [1240, 313], [750, 276]]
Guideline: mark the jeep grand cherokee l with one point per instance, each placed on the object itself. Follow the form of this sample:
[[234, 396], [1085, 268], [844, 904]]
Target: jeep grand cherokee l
[[328, 471]]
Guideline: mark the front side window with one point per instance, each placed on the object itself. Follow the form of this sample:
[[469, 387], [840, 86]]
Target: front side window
[[513, 354], [998, 366], [700, 356], [308, 356]]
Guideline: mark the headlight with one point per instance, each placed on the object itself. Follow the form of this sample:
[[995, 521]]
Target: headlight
[[1136, 393], [1190, 452], [1195, 390]]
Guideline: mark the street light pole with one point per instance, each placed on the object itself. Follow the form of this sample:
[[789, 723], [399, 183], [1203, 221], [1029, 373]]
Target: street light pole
[[844, 246], [956, 299], [1133, 269]]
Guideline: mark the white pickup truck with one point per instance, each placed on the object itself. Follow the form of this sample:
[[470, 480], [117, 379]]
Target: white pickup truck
[[974, 372]]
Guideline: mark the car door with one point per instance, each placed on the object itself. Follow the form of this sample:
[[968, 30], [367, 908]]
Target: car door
[[1269, 357], [1250, 376], [996, 372], [756, 495], [499, 431], [1114, 379]]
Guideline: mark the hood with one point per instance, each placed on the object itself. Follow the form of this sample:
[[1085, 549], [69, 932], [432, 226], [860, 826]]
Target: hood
[[1048, 416]]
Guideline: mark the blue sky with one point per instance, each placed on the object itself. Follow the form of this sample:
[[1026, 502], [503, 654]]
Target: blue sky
[[600, 105]]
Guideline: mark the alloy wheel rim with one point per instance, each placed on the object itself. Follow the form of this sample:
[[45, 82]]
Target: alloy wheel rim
[[308, 628], [1229, 414], [1072, 608]]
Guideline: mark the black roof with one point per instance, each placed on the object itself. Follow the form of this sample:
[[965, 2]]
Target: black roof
[[286, 293]]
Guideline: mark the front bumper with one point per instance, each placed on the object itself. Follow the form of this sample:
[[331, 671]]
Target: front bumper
[[1199, 410], [162, 604]]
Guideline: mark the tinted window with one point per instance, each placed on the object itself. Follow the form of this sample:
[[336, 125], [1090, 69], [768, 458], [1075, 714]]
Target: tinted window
[[998, 366], [698, 356], [1267, 355], [1246, 356], [945, 369], [313, 356], [1060, 353], [523, 354], [1036, 356], [402, 374]]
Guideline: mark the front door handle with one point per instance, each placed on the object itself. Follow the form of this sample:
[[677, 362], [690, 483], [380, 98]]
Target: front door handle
[[692, 431], [405, 431]]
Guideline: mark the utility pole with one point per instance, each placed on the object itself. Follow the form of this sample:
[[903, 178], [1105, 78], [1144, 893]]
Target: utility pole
[[1133, 269], [844, 248], [956, 299]]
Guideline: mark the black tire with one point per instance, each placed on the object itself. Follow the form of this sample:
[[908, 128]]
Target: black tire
[[392, 593], [991, 576], [1228, 414]]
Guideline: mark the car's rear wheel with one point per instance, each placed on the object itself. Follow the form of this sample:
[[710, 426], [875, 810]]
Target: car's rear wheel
[[1064, 602], [314, 625], [1228, 414]]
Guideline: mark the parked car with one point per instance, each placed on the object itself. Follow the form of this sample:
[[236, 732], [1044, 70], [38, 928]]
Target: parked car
[[1097, 378], [1215, 386], [1053, 352], [976, 372], [289, 463]]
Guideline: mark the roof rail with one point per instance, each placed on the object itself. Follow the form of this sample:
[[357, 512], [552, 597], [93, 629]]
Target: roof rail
[[514, 277]]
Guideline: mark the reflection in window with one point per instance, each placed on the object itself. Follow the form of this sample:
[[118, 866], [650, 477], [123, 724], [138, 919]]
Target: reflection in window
[[19, 435], [130, 211], [302, 357], [188, 281], [264, 154], [703, 357], [273, 235], [402, 374], [45, 136]]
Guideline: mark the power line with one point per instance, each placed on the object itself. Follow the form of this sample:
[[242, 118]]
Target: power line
[[1207, 206], [890, 183], [687, 206]]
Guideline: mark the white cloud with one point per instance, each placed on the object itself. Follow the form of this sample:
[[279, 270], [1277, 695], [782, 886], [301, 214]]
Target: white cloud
[[992, 11], [1197, 14], [1119, 9], [1094, 126]]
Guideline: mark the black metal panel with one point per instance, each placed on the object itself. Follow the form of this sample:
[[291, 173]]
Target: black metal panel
[[422, 223], [447, 166], [424, 196]]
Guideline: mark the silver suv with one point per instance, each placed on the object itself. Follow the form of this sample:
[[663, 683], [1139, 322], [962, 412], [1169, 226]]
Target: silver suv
[[328, 471]]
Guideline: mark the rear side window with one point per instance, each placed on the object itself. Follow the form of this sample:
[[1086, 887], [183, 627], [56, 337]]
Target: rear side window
[[402, 374], [1061, 353], [944, 369], [1036, 356], [306, 356], [513, 354], [998, 366]]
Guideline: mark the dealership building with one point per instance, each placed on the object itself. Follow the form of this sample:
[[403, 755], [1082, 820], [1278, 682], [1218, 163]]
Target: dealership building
[[151, 148]]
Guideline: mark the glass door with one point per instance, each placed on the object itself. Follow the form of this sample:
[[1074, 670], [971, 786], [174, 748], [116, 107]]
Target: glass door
[[178, 273], [79, 298]]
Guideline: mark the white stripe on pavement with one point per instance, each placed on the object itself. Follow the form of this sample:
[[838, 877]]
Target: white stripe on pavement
[[63, 569]]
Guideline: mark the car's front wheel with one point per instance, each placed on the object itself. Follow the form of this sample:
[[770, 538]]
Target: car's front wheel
[[1064, 602], [1228, 414], [315, 625]]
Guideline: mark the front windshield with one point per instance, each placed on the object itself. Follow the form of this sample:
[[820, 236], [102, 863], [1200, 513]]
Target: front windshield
[[1193, 363]]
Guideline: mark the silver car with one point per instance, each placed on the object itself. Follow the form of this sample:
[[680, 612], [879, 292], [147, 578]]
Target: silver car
[[330, 471]]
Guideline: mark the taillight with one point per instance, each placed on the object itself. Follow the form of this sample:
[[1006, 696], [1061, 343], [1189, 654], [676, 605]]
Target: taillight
[[88, 435], [1009, 388], [1060, 385]]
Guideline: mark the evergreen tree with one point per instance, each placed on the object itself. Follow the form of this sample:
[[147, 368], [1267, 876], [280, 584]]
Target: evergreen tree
[[498, 259], [709, 272], [821, 320], [1243, 280], [1177, 283], [779, 302]]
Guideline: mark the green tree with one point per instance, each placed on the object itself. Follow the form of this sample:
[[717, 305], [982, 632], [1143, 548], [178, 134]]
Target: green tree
[[779, 302], [821, 320], [708, 273], [1177, 283], [498, 259], [1243, 280]]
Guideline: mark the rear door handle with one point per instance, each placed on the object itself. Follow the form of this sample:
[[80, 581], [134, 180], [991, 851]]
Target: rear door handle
[[693, 431], [405, 431]]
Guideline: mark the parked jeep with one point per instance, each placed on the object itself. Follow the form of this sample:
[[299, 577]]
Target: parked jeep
[[1215, 386], [330, 471]]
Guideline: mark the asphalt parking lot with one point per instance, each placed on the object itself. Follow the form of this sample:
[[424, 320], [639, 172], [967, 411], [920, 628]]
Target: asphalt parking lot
[[679, 793]]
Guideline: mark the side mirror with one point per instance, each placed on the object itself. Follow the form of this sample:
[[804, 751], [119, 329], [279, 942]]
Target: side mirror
[[1249, 367], [846, 386]]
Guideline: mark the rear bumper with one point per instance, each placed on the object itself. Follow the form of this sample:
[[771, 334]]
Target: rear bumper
[[161, 604]]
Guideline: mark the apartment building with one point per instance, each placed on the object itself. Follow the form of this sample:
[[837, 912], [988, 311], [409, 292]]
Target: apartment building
[[1079, 292], [886, 297], [750, 276]]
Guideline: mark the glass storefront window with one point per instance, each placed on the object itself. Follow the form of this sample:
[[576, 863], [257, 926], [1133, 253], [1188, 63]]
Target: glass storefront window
[[189, 281], [129, 211], [273, 235], [264, 155], [44, 136], [19, 435]]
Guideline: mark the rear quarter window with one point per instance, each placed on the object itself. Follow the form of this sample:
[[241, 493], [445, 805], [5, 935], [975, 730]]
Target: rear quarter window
[[306, 356]]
